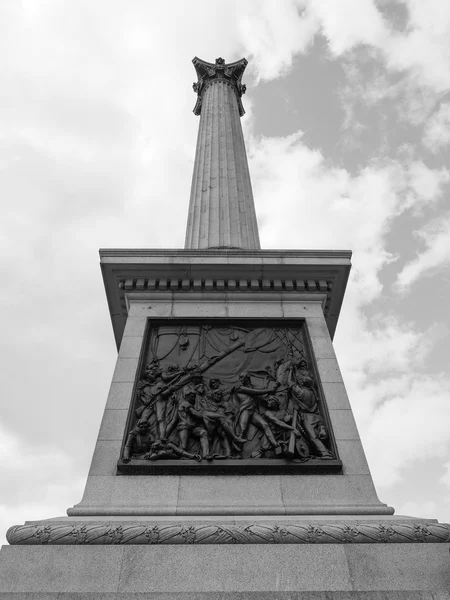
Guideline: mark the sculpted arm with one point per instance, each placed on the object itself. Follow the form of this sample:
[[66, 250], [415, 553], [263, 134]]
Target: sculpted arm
[[273, 419], [253, 391], [129, 446], [195, 413]]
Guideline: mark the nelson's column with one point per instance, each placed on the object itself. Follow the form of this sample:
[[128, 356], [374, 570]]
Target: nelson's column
[[228, 463]]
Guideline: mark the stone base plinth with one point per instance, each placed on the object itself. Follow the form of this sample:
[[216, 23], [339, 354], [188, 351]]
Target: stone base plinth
[[176, 570], [373, 595], [293, 559]]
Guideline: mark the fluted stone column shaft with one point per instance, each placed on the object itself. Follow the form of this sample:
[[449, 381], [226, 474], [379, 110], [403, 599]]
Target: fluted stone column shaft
[[221, 210]]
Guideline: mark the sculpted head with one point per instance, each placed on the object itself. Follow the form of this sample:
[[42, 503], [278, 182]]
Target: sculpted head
[[273, 403], [153, 370], [217, 396], [190, 397], [245, 379], [302, 364], [214, 384]]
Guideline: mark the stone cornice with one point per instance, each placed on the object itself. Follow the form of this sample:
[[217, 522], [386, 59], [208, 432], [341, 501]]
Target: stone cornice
[[229, 74], [255, 533], [317, 275]]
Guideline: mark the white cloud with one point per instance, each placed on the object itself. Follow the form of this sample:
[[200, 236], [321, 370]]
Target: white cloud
[[415, 61], [403, 429], [437, 128], [348, 23], [274, 32], [445, 479], [426, 510], [423, 48], [436, 237]]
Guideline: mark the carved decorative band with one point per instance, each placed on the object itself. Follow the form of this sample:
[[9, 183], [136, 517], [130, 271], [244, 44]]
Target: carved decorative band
[[231, 285], [107, 534]]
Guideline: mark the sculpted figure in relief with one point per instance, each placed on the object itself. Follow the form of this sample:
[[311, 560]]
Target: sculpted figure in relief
[[248, 398], [139, 441], [304, 403], [183, 416]]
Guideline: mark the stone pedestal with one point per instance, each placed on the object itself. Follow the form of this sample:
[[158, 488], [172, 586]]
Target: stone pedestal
[[144, 286], [278, 536], [228, 559]]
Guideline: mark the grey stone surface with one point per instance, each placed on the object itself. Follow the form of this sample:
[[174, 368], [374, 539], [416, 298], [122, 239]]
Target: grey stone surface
[[329, 371], [322, 347], [156, 493], [317, 327], [335, 395], [243, 568], [199, 309], [343, 423], [416, 567], [113, 424], [259, 309], [106, 455], [135, 326], [160, 308], [130, 347], [252, 494], [373, 595], [120, 394], [353, 458], [277, 571], [60, 569], [317, 491], [125, 370], [223, 495], [302, 308]]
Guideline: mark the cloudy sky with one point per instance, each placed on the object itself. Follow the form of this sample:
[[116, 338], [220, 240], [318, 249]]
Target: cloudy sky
[[348, 134]]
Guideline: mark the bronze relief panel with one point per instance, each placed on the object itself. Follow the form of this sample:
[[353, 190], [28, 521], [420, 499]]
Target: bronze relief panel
[[224, 396]]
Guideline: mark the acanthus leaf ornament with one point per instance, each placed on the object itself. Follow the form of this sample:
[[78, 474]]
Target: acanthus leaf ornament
[[229, 74]]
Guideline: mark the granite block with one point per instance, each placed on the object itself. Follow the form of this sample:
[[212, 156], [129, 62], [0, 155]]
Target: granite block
[[130, 347], [30, 595], [313, 492], [199, 309], [120, 394], [343, 423], [250, 494], [233, 568], [135, 326], [329, 371], [132, 491], [335, 395], [373, 595], [317, 327], [309, 309], [399, 567], [106, 455], [125, 370], [257, 309], [60, 568], [353, 458], [154, 308], [322, 347], [113, 424]]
